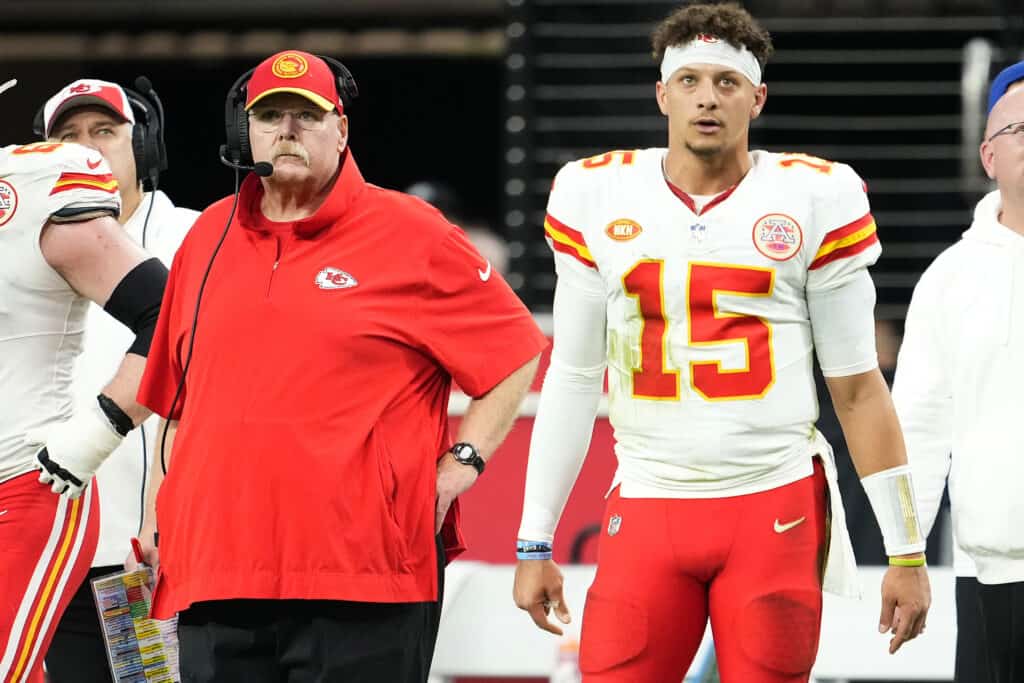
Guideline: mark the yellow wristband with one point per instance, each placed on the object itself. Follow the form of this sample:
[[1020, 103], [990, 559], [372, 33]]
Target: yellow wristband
[[906, 562]]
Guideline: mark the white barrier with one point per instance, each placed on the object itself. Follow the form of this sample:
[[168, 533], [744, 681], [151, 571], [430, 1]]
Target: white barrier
[[484, 634]]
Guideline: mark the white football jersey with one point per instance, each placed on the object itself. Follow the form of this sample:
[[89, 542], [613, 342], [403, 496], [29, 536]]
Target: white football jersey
[[41, 317], [709, 339]]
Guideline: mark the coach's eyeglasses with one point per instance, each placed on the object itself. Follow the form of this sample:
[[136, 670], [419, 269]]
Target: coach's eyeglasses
[[1015, 129], [268, 120]]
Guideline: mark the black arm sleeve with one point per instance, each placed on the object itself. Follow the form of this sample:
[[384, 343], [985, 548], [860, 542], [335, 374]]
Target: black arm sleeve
[[136, 302]]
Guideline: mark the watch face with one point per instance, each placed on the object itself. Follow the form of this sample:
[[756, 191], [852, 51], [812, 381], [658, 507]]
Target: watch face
[[463, 453]]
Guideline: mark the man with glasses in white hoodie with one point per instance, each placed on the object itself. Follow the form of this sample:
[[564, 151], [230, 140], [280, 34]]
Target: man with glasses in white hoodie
[[956, 391]]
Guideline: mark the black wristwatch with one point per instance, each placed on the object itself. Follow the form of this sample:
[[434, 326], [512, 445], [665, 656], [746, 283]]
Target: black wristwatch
[[466, 454]]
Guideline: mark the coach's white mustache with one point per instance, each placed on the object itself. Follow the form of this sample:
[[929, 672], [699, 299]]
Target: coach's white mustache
[[289, 148]]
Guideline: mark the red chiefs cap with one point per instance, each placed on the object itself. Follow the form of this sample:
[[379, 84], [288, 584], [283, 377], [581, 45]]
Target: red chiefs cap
[[84, 92], [295, 72]]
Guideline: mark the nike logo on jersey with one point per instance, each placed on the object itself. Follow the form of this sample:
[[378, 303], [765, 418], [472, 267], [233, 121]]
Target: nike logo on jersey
[[783, 528], [3, 513], [335, 278], [485, 275], [93, 164]]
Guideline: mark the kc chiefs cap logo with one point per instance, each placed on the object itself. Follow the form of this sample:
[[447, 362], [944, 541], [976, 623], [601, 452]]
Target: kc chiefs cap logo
[[705, 38], [80, 89], [289, 65], [778, 236], [8, 202]]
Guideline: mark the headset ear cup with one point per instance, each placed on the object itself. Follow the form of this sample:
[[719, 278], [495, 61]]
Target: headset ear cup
[[139, 143], [156, 149], [242, 126], [37, 123], [347, 88], [230, 133], [236, 123], [146, 137]]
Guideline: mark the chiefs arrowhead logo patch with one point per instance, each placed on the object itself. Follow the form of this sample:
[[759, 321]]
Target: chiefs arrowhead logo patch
[[334, 278]]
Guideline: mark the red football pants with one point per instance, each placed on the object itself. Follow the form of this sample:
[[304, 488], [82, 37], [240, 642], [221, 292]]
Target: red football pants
[[47, 544], [752, 563]]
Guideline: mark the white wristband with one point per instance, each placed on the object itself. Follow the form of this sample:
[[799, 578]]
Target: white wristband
[[891, 494], [82, 443]]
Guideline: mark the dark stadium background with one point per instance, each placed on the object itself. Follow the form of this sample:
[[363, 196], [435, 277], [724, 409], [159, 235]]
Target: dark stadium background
[[417, 118]]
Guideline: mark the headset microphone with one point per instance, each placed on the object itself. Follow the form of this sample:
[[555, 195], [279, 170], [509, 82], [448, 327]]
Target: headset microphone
[[263, 169], [145, 86]]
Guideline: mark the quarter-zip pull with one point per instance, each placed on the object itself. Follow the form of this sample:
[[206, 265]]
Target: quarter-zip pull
[[277, 262]]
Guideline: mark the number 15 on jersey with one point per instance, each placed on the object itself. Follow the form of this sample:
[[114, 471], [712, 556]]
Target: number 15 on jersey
[[707, 326]]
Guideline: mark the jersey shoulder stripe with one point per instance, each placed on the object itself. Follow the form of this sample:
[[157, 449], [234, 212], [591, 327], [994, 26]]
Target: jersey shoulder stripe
[[67, 180], [846, 241], [568, 241]]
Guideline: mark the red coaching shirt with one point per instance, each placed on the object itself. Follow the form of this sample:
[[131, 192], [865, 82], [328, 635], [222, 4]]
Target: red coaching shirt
[[315, 406]]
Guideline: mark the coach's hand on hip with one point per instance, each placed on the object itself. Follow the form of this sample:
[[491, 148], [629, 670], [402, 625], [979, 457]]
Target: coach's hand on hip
[[453, 479]]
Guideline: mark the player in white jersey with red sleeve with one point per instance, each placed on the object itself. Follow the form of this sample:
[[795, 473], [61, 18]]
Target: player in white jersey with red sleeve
[[60, 247], [702, 277], [126, 127]]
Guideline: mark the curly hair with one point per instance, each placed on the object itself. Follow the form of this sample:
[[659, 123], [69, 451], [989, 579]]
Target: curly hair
[[726, 21]]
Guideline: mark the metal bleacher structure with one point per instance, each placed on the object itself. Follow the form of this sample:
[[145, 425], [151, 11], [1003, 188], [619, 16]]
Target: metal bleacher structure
[[881, 93]]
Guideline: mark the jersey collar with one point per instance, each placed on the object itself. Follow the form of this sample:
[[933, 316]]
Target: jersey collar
[[692, 206], [347, 188], [688, 200]]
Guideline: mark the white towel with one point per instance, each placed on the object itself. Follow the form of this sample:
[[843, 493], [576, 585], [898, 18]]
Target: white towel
[[840, 565]]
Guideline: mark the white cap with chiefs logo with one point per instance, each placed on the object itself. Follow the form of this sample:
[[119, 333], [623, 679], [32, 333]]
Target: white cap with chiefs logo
[[84, 92]]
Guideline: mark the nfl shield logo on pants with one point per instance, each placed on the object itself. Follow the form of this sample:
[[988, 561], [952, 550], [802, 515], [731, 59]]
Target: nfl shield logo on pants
[[613, 525]]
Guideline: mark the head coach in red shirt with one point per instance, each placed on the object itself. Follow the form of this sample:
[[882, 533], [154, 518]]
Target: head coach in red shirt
[[310, 500]]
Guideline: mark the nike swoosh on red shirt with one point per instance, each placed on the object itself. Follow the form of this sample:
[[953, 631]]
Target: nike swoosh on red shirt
[[93, 164]]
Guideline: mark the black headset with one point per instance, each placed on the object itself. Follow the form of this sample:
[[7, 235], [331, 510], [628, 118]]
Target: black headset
[[237, 151], [148, 146]]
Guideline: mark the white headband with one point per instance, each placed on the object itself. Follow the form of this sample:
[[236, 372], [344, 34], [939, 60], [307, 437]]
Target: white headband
[[706, 49]]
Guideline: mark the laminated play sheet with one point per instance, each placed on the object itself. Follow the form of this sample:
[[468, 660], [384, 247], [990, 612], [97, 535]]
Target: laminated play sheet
[[139, 649]]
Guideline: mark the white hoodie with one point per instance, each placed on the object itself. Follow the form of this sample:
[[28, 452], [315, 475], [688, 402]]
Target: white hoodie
[[958, 389]]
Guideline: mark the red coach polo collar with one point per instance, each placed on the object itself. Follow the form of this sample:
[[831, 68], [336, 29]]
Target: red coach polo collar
[[347, 187]]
